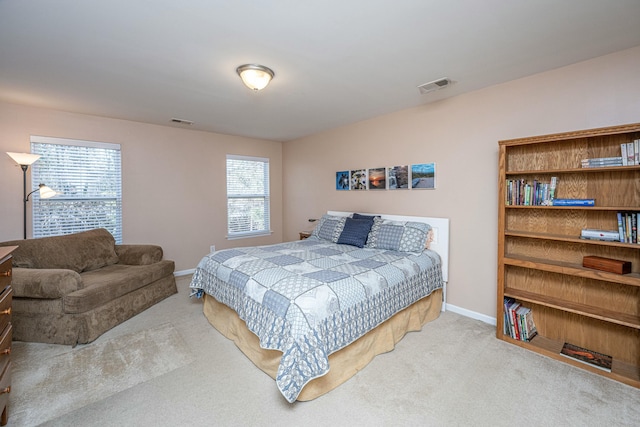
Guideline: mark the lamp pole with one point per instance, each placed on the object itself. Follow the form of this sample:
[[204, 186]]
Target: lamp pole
[[24, 193]]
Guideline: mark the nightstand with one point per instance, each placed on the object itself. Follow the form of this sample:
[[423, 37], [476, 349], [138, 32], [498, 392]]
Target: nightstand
[[304, 234]]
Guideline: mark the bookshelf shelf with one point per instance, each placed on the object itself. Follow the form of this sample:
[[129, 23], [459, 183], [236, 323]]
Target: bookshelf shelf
[[573, 170], [552, 266], [627, 373], [540, 251], [587, 208], [595, 312], [563, 238]]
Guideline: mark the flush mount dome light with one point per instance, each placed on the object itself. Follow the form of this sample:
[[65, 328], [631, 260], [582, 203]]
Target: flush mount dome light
[[255, 76]]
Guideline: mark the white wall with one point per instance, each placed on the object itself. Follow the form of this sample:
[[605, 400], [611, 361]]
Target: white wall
[[461, 136]]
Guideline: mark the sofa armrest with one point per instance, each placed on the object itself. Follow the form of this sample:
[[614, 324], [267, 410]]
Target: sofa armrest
[[139, 254], [44, 283]]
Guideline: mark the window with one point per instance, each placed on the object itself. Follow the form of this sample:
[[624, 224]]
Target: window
[[247, 196], [87, 176]]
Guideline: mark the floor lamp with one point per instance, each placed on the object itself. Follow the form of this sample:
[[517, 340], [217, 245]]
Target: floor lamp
[[24, 160]]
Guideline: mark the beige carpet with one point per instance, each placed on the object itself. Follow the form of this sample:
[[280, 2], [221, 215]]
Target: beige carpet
[[176, 370], [49, 386]]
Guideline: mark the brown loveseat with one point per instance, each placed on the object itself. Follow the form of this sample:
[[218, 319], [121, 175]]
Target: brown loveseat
[[71, 289]]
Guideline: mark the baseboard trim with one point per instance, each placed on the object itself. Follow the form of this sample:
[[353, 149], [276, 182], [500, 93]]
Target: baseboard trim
[[184, 272], [472, 314]]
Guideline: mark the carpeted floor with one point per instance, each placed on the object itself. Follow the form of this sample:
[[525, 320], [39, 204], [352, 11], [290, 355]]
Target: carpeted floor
[[168, 366]]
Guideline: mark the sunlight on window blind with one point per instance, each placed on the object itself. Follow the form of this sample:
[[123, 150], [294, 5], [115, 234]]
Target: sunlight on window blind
[[247, 196], [88, 176]]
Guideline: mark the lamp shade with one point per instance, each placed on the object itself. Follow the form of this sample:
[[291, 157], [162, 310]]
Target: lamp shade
[[24, 158], [46, 192], [255, 77]]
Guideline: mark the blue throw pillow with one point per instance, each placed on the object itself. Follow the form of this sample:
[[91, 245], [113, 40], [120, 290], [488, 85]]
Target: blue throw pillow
[[355, 232]]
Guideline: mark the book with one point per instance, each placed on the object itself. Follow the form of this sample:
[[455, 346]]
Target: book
[[601, 162], [589, 357], [623, 153], [552, 188], [604, 235], [620, 227], [573, 202], [601, 165], [631, 157]]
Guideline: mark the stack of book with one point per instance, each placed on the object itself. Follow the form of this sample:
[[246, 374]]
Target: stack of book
[[520, 192], [628, 226], [518, 321], [602, 162], [630, 153]]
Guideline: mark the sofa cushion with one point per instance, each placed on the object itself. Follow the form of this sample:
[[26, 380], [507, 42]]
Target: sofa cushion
[[111, 282], [139, 254], [44, 283], [84, 251]]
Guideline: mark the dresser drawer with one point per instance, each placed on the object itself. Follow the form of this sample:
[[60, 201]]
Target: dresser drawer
[[5, 307], [5, 346], [5, 386], [5, 273]]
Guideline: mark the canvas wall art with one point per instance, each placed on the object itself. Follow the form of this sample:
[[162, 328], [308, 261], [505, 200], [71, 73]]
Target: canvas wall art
[[377, 179], [423, 176], [359, 179], [342, 180], [398, 177]]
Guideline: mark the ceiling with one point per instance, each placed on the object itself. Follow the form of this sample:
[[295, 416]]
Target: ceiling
[[336, 61]]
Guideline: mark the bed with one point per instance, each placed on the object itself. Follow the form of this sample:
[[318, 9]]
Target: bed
[[312, 313]]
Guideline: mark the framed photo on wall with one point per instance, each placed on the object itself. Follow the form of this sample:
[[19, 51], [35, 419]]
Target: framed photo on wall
[[398, 177], [342, 180], [423, 176], [377, 179], [358, 179]]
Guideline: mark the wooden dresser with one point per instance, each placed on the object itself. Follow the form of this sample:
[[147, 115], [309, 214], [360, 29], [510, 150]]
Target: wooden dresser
[[6, 293]]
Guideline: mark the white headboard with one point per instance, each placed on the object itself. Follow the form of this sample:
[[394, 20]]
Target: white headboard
[[440, 226]]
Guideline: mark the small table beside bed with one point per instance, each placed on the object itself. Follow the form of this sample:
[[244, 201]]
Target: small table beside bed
[[347, 293]]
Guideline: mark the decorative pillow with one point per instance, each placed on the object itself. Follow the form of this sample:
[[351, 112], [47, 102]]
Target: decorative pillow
[[403, 236], [373, 234], [360, 216], [355, 232], [329, 227]]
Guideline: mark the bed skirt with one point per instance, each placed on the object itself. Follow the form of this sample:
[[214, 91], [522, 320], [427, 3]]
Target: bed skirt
[[344, 363]]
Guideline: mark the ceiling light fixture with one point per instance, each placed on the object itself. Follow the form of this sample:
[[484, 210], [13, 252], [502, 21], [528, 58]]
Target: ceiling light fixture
[[254, 76]]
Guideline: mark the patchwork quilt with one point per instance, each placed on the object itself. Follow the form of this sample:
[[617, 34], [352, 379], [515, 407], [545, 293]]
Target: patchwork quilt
[[312, 297]]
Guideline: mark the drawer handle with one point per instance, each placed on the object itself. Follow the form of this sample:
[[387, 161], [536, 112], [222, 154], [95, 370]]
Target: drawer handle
[[5, 273], [6, 390], [6, 311]]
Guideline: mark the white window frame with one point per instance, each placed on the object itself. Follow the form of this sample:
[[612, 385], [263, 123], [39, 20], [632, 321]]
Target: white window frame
[[61, 177], [265, 195]]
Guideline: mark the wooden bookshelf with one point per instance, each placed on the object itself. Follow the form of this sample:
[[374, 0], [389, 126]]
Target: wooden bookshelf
[[540, 251]]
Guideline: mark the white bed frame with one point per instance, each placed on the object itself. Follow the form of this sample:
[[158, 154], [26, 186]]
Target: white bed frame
[[439, 244]]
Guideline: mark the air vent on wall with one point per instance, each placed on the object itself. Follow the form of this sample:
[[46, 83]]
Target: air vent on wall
[[434, 85], [181, 121]]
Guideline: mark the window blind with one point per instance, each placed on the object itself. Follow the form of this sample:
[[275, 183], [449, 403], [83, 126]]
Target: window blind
[[87, 176], [247, 196]]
